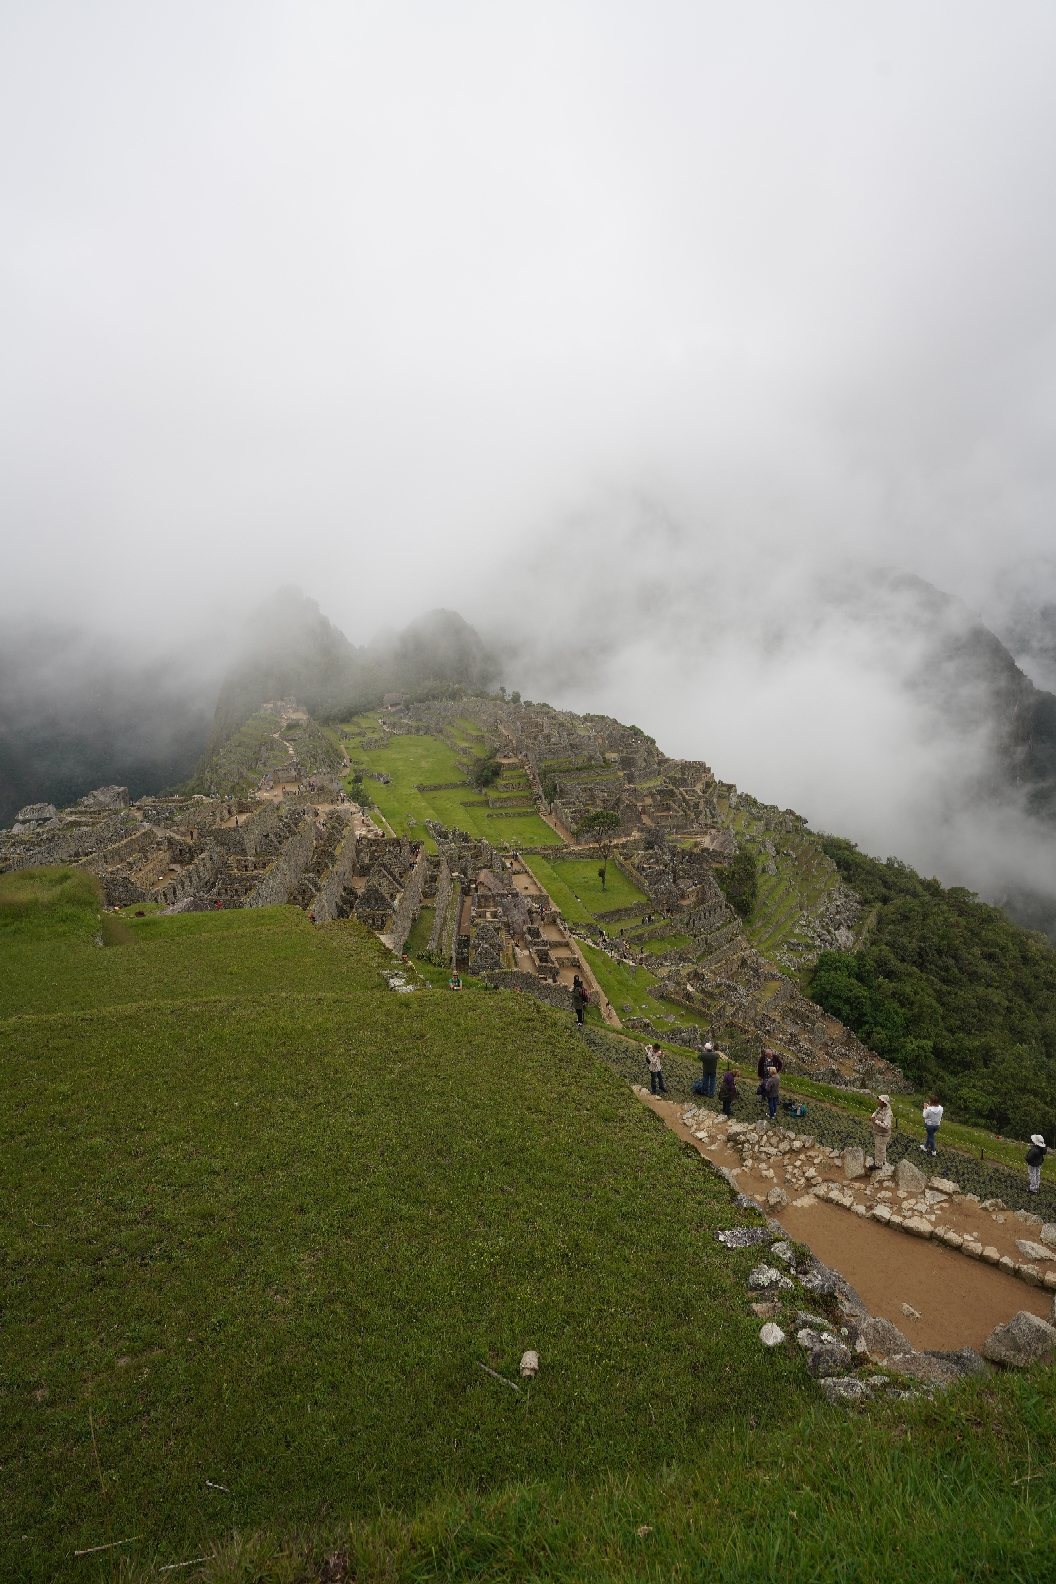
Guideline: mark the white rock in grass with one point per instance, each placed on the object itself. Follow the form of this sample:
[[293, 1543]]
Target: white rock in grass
[[771, 1335], [529, 1366]]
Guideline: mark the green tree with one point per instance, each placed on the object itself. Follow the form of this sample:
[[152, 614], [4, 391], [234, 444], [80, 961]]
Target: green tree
[[551, 788], [601, 827], [739, 883], [485, 772]]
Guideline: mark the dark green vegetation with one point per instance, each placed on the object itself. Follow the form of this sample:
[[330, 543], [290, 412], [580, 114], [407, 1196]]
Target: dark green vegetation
[[961, 998], [266, 1218], [739, 883]]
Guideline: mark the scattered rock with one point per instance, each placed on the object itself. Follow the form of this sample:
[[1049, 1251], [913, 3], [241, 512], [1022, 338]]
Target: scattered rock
[[1030, 1274], [815, 1322], [845, 1391], [743, 1237], [1048, 1233], [777, 1198], [909, 1178], [917, 1225], [1033, 1251], [764, 1276], [974, 1250], [765, 1310], [784, 1252], [909, 1312], [944, 1185], [1025, 1340], [529, 1366], [853, 1162], [882, 1338], [831, 1358], [1027, 1217], [771, 1335]]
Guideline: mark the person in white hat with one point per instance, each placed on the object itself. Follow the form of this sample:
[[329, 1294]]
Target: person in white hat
[[883, 1121], [1035, 1155]]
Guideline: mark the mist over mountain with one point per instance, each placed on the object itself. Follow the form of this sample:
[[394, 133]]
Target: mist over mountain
[[79, 711]]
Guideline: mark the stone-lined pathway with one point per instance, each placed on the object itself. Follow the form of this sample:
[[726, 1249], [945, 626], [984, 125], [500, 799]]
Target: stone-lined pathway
[[956, 1301]]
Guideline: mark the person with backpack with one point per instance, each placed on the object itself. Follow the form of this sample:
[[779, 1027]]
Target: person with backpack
[[728, 1090], [654, 1056], [932, 1122], [883, 1122], [1035, 1156], [773, 1091], [709, 1058], [580, 998]]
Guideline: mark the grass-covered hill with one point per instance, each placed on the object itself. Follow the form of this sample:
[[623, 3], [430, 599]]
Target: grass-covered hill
[[267, 1219], [962, 999]]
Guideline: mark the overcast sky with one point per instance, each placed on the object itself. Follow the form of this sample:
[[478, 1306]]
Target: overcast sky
[[392, 300]]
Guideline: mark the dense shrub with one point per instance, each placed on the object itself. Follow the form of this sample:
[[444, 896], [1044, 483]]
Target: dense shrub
[[962, 999]]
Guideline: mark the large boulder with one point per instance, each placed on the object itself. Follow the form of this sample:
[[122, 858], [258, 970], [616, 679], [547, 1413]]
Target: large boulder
[[929, 1367], [1048, 1233], [1024, 1341], [910, 1178], [831, 1358], [853, 1162], [881, 1338]]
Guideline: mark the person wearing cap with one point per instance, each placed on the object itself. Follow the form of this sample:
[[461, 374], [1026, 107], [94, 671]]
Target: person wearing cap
[[1035, 1155], [883, 1122], [709, 1058]]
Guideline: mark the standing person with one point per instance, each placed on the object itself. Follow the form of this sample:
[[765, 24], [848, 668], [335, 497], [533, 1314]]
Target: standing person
[[655, 1056], [728, 1090], [883, 1122], [1035, 1155], [932, 1122], [580, 998], [709, 1058], [773, 1091]]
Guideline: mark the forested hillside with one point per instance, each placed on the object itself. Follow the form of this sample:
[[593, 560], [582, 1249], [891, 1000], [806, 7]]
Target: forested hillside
[[962, 999]]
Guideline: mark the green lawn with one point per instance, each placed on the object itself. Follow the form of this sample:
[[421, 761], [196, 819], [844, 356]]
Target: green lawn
[[581, 878], [620, 982], [266, 1218], [428, 761], [567, 903]]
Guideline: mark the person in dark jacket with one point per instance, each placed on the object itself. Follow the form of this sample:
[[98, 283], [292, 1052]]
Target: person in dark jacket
[[728, 1090], [1035, 1156], [580, 998], [709, 1058]]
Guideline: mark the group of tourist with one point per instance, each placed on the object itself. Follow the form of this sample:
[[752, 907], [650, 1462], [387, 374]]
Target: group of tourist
[[769, 1068]]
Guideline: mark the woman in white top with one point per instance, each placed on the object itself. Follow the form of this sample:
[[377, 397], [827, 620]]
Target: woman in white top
[[932, 1123]]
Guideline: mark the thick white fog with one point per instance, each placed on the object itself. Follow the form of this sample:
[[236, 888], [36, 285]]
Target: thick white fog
[[633, 332]]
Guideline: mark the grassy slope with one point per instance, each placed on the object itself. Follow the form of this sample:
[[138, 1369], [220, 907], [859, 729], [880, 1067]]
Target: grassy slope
[[265, 1223], [428, 760]]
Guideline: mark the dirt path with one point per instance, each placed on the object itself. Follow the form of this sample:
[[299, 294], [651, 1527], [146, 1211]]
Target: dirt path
[[959, 1300]]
